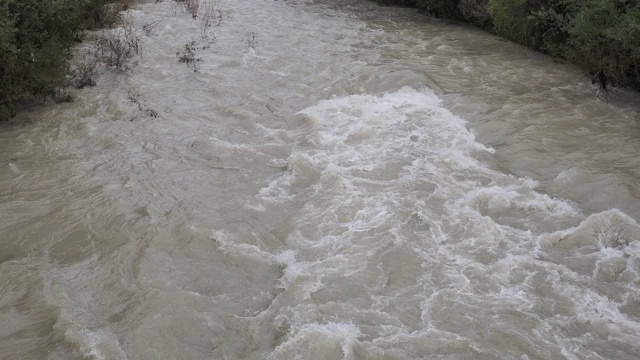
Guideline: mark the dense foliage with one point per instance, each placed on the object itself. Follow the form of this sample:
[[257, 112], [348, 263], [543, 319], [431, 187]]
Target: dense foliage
[[35, 38], [603, 36]]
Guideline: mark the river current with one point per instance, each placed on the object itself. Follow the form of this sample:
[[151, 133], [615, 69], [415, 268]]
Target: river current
[[337, 180]]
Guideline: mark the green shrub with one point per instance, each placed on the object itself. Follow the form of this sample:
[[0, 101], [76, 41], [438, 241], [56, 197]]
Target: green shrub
[[438, 8], [513, 19], [604, 35], [35, 38], [475, 12], [552, 19], [33, 53], [441, 8]]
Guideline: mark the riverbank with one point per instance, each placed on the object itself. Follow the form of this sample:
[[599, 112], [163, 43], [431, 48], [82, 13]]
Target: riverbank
[[601, 36]]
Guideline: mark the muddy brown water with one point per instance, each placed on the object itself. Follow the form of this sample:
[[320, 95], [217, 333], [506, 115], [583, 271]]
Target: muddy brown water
[[338, 180]]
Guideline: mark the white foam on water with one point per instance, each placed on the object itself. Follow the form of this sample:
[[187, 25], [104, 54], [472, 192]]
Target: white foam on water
[[400, 229], [229, 246], [99, 345], [320, 340]]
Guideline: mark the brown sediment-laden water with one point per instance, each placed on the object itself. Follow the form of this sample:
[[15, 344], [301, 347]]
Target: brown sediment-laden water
[[337, 180]]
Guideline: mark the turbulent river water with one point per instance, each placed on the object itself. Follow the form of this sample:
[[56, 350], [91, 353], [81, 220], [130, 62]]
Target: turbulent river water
[[338, 180]]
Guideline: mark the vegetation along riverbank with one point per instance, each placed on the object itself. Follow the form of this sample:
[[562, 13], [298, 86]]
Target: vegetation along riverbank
[[36, 38], [602, 36]]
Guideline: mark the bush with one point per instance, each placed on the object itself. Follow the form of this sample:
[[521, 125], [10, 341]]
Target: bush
[[118, 46], [32, 63], [603, 36], [441, 8], [192, 6], [84, 72], [475, 12], [35, 38], [514, 20], [188, 56], [438, 8]]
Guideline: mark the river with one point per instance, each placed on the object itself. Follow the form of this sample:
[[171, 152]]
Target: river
[[338, 180]]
